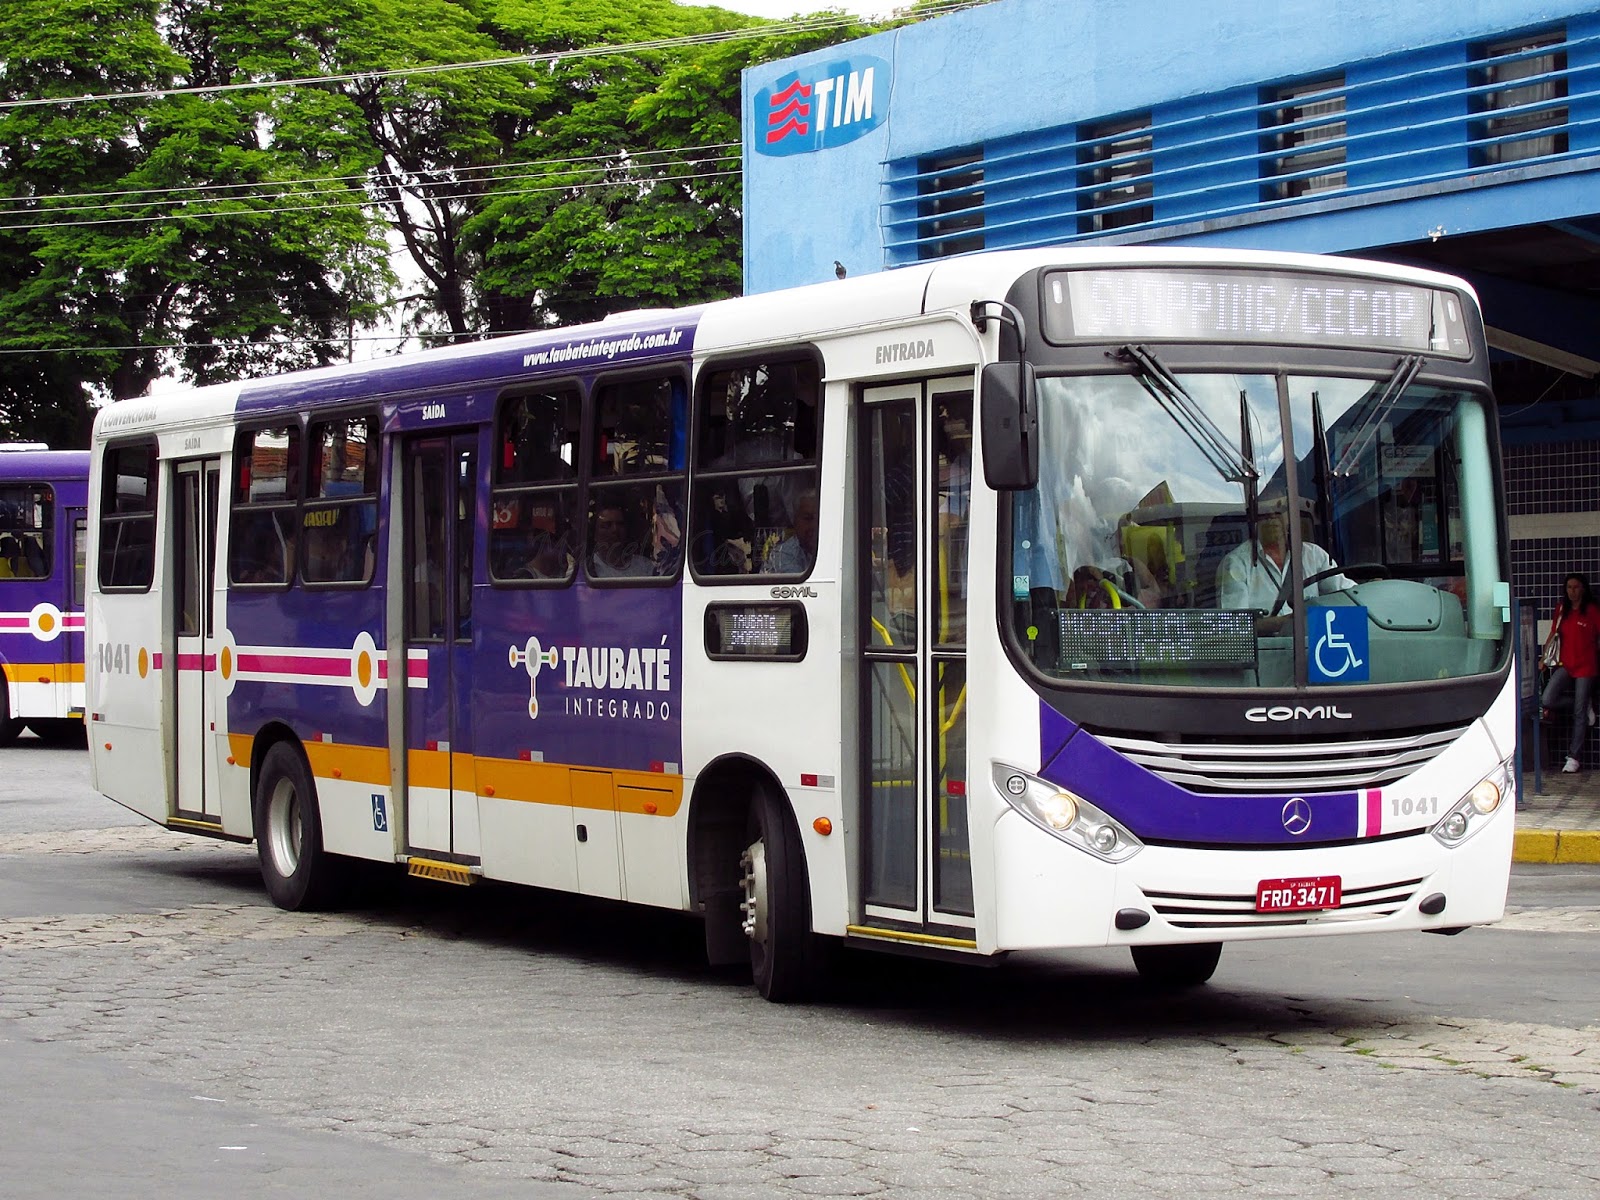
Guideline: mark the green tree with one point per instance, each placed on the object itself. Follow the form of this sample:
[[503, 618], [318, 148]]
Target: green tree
[[645, 206], [215, 234]]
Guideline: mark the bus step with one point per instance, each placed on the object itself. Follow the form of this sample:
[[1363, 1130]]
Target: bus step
[[441, 872]]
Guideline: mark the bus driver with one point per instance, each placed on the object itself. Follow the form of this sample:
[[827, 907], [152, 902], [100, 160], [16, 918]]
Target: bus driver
[[1251, 574]]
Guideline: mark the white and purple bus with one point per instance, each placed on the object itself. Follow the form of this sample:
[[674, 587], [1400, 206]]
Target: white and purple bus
[[43, 531], [1060, 598]]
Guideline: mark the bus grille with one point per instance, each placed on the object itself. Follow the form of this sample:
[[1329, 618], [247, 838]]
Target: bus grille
[[1274, 766], [1198, 910]]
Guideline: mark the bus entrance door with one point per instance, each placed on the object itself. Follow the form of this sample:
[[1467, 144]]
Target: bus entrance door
[[198, 698], [915, 482], [439, 499], [73, 641]]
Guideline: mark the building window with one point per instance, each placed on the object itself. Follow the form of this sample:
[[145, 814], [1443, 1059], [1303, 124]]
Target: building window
[[1114, 161], [950, 204], [1519, 119], [1302, 146]]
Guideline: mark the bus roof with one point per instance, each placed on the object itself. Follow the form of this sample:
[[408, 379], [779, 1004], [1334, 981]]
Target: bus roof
[[806, 313], [44, 464]]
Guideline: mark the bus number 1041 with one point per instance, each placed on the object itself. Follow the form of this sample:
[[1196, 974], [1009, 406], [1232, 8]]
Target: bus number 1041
[[114, 658]]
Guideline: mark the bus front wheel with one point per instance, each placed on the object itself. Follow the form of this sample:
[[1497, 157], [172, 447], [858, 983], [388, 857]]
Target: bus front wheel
[[1177, 966], [298, 873], [775, 905]]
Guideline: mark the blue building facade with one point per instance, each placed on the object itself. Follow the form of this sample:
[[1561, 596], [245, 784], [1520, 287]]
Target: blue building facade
[[1464, 137]]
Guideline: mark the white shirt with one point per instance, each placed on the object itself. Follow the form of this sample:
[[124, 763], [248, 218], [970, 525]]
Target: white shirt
[[1243, 584]]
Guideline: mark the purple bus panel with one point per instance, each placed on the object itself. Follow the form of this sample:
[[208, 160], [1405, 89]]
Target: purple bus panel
[[1159, 811], [43, 503], [500, 363]]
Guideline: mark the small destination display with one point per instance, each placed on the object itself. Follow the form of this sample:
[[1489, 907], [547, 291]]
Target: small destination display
[[1290, 308], [756, 631]]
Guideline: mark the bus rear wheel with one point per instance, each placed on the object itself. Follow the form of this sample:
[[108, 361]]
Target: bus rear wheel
[[10, 727], [1177, 966], [775, 906], [299, 874], [60, 731]]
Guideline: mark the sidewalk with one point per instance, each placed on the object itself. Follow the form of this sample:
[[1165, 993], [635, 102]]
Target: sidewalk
[[1561, 824]]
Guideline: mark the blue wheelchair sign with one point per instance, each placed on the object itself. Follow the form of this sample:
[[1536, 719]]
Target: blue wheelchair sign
[[380, 815], [1338, 645]]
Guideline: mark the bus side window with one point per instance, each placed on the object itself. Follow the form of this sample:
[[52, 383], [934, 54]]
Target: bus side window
[[636, 494], [266, 496], [27, 516], [128, 516], [339, 520], [756, 473], [534, 506]]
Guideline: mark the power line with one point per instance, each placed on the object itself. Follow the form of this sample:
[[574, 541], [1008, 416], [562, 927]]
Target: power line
[[278, 344], [31, 220], [281, 186], [798, 25], [368, 202]]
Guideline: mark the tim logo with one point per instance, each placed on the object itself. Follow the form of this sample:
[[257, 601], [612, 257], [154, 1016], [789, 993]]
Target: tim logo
[[828, 106]]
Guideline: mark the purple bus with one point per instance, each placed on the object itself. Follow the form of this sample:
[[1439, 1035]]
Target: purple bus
[[43, 522]]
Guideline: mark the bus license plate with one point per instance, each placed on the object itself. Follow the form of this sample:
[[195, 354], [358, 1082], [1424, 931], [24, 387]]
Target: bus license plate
[[1298, 895]]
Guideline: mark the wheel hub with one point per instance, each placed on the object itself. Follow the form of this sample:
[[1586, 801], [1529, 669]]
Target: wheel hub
[[754, 884]]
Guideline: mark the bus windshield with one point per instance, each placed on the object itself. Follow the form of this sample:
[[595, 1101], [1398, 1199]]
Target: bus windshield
[[1180, 521]]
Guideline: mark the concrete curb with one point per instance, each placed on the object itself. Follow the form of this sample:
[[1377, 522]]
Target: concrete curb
[[1556, 846]]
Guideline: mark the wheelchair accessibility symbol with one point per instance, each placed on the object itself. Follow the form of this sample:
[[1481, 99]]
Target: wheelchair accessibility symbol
[[1338, 645]]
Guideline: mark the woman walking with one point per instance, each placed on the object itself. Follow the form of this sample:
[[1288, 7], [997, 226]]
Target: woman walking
[[1576, 624]]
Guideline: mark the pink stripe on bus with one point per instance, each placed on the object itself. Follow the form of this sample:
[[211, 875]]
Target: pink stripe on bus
[[283, 664], [1374, 813]]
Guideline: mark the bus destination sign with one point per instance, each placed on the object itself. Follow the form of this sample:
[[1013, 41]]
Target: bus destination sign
[[1290, 308]]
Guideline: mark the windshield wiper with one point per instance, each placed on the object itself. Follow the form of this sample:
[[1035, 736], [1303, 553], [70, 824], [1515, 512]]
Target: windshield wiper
[[1404, 372], [1232, 464], [1322, 479]]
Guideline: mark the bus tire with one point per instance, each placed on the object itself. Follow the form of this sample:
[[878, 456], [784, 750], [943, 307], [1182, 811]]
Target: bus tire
[[60, 731], [1177, 966], [10, 727], [776, 904], [299, 874]]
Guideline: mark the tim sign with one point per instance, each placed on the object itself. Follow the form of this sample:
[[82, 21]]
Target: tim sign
[[822, 108]]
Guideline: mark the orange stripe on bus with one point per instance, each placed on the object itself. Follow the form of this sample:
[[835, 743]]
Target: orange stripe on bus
[[646, 793], [355, 764], [18, 672]]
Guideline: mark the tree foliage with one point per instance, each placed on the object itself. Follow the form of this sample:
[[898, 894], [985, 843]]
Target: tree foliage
[[587, 162]]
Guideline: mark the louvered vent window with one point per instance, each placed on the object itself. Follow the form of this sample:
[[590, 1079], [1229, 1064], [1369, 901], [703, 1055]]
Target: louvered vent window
[[1302, 148], [950, 204], [1524, 114], [1114, 188]]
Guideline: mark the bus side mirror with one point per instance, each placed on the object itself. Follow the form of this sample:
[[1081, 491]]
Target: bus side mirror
[[1010, 414]]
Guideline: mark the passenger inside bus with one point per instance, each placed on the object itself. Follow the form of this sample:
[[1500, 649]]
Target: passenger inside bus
[[10, 554], [795, 554], [33, 557], [614, 553], [544, 556]]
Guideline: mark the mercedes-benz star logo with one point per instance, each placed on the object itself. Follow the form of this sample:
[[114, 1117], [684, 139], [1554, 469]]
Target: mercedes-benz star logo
[[1296, 816]]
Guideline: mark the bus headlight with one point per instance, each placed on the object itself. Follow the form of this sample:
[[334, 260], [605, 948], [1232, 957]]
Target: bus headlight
[[1472, 811], [1066, 815]]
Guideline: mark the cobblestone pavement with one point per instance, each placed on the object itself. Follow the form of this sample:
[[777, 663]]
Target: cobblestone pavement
[[534, 1039]]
